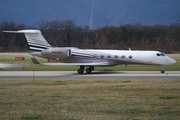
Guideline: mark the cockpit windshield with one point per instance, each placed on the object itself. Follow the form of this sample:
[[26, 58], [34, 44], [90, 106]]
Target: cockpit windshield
[[160, 54]]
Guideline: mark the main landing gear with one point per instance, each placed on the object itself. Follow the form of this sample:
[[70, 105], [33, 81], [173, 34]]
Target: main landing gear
[[88, 70], [162, 70]]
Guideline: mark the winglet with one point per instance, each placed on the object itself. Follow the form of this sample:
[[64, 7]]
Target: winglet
[[34, 59]]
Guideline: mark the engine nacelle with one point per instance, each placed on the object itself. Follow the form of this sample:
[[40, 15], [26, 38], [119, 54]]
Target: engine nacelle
[[56, 53]]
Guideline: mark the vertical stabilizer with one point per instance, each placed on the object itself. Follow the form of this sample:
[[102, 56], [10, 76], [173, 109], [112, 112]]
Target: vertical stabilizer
[[34, 39]]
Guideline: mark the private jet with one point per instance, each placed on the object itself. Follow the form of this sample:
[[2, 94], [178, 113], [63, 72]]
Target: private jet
[[90, 58]]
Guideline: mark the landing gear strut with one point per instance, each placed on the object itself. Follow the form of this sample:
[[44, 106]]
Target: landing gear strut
[[80, 70], [162, 70], [88, 70]]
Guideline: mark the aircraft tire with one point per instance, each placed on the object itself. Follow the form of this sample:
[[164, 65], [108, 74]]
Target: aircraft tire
[[162, 71], [88, 70], [80, 71]]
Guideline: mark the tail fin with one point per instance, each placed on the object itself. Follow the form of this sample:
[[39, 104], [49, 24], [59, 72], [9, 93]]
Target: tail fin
[[35, 39]]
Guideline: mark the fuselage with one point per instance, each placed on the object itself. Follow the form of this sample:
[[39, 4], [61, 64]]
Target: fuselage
[[89, 57], [113, 57]]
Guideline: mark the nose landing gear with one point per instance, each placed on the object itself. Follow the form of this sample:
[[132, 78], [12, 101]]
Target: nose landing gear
[[162, 70]]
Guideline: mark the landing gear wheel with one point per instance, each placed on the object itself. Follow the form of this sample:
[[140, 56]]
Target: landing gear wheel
[[162, 71], [88, 70], [80, 71]]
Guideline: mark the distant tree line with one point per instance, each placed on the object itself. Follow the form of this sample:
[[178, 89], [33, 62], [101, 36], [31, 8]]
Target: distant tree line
[[66, 33]]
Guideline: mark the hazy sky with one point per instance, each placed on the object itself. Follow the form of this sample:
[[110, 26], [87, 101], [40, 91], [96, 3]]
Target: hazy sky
[[93, 13]]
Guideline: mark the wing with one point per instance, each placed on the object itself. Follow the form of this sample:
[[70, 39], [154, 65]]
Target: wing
[[78, 64], [70, 64]]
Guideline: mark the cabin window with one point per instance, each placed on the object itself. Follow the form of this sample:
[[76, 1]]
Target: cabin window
[[123, 56], [115, 56], [130, 56], [108, 56], [102, 56]]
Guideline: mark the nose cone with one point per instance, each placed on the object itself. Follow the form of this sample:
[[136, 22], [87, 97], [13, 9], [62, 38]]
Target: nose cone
[[171, 61]]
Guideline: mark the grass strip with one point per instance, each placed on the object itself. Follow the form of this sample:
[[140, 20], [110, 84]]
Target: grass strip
[[100, 99]]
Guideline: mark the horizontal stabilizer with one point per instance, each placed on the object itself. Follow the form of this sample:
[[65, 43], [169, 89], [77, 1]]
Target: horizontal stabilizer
[[34, 59], [24, 31]]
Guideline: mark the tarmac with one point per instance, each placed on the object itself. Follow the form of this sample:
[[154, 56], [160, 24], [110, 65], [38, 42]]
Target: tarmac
[[95, 75]]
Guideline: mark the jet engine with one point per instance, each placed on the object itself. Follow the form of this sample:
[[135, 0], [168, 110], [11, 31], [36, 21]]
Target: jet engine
[[56, 53]]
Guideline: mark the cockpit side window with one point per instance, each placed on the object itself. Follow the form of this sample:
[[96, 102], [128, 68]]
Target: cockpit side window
[[158, 54]]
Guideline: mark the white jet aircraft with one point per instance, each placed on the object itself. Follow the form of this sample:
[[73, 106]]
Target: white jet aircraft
[[72, 56]]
